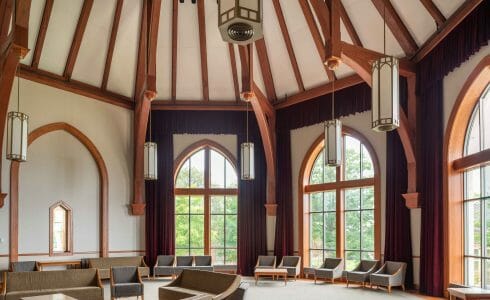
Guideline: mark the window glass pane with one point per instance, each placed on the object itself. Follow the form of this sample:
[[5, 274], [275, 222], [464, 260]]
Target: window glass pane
[[59, 229], [472, 143], [231, 205], [352, 156], [352, 230], [473, 228], [316, 175], [316, 202], [316, 230], [217, 169], [352, 199], [486, 181], [352, 259], [197, 251], [329, 201], [330, 254], [182, 252], [330, 231], [231, 256], [486, 262], [217, 231], [487, 228], [231, 231], [217, 204], [472, 184], [181, 204], [218, 256], [367, 164], [181, 231], [197, 231], [367, 197], [197, 170], [197, 204], [183, 176], [367, 233], [473, 271], [367, 255], [231, 176], [485, 106], [316, 258]]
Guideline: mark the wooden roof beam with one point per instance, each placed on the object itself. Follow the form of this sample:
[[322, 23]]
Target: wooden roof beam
[[41, 36], [234, 71], [434, 12], [395, 23], [289, 44], [201, 16], [198, 105], [77, 38], [175, 31], [266, 69], [349, 26], [112, 43]]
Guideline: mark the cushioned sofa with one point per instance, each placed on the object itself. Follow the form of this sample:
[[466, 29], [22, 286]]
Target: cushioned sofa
[[197, 284], [104, 265], [82, 284]]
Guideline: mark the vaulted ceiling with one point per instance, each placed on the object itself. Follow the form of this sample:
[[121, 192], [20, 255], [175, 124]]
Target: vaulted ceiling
[[92, 45]]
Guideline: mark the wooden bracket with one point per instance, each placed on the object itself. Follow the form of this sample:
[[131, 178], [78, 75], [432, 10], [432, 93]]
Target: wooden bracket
[[138, 209], [271, 209], [412, 200]]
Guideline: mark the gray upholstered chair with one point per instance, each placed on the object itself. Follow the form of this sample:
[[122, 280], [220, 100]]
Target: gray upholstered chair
[[183, 262], [24, 266], [391, 274], [266, 262], [164, 266], [126, 282], [291, 264], [331, 269], [203, 263], [362, 272]]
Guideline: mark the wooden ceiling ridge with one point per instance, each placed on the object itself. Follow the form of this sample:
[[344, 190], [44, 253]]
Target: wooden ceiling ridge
[[201, 16], [41, 36], [112, 43], [175, 24]]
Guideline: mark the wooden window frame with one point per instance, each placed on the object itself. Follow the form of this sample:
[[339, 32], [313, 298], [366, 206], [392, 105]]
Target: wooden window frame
[[339, 185], [454, 165], [207, 191], [69, 229]]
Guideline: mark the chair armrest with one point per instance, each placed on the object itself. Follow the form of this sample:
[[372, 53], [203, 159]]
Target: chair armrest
[[372, 269], [4, 284], [143, 263], [381, 270], [139, 277], [398, 275], [97, 278], [111, 277]]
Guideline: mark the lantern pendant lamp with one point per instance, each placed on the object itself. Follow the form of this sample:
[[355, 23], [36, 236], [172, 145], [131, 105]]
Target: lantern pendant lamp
[[151, 158], [240, 21], [333, 137], [247, 158], [17, 131], [385, 91]]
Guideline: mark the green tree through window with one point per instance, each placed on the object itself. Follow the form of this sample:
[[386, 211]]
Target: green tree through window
[[206, 206]]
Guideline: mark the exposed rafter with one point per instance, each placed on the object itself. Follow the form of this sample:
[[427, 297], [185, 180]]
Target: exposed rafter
[[112, 43], [175, 31], [310, 20], [198, 105], [247, 67], [289, 44], [201, 16], [234, 72], [349, 26], [77, 38], [434, 12], [265, 68], [322, 13], [43, 28], [399, 30]]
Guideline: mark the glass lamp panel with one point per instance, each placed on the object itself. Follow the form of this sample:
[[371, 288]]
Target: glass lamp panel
[[248, 162], [250, 4], [17, 132], [197, 170], [385, 94], [217, 170], [333, 143], [352, 156], [150, 161]]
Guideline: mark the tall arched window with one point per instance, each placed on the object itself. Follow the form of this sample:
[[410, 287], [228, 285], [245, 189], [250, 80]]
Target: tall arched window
[[206, 203], [340, 204], [477, 197]]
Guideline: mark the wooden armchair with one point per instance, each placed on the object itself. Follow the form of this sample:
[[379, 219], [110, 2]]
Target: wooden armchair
[[126, 282]]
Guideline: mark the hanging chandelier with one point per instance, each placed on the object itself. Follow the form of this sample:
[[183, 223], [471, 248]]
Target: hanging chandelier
[[151, 158], [333, 137], [239, 21], [17, 131], [247, 157], [385, 90]]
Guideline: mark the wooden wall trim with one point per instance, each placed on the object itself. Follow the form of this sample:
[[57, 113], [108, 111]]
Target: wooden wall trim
[[303, 180], [103, 193], [453, 149]]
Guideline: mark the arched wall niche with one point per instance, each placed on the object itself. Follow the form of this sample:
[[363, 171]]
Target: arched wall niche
[[103, 193]]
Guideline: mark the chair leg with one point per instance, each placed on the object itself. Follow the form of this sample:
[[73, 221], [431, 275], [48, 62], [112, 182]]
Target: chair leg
[[333, 280], [403, 287], [315, 278], [389, 289], [347, 283]]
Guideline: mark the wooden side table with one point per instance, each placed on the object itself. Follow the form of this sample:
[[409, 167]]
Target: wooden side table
[[468, 293], [271, 272], [50, 297]]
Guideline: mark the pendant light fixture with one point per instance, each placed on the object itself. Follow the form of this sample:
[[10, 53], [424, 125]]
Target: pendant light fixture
[[151, 158], [239, 21], [17, 131], [385, 90], [247, 157], [333, 137]]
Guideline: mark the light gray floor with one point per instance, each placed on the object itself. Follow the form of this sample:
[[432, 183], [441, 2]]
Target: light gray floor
[[294, 290]]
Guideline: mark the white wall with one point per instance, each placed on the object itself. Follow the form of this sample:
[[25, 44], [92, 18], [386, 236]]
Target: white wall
[[60, 168]]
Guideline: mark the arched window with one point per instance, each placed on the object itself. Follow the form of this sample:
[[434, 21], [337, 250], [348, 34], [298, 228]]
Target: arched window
[[340, 204], [476, 197], [206, 203], [60, 229]]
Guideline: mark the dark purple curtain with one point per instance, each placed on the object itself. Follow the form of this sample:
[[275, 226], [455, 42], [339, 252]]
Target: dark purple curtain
[[160, 222], [349, 101], [466, 39]]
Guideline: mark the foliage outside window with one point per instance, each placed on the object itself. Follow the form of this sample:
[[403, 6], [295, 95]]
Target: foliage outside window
[[353, 185], [477, 199], [206, 206]]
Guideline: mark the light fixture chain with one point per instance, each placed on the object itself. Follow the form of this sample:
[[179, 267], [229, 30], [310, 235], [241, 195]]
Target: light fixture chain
[[384, 28], [18, 88], [247, 119], [333, 98]]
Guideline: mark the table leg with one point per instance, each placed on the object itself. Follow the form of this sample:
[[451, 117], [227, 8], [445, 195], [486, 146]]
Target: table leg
[[285, 279], [256, 279]]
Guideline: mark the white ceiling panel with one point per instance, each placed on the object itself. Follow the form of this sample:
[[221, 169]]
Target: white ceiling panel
[[257, 73], [416, 18], [448, 7], [344, 34], [90, 63], [164, 52], [123, 67], [59, 36], [35, 16]]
